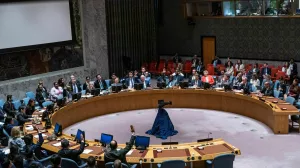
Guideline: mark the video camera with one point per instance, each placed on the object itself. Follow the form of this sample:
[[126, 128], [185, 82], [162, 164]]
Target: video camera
[[162, 103]]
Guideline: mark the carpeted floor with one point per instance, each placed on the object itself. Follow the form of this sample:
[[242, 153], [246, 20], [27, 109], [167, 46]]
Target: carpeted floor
[[260, 148]]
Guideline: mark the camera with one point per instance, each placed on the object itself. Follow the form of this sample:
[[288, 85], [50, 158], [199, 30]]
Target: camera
[[162, 103]]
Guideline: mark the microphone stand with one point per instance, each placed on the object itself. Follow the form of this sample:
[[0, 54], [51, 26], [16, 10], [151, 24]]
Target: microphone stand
[[208, 138]]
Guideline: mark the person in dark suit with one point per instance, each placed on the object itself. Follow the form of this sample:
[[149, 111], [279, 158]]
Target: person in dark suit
[[86, 83], [22, 117], [130, 81], [265, 70], [75, 86], [100, 83], [281, 87], [177, 59], [72, 154], [39, 97], [216, 62], [114, 154], [29, 160], [8, 124], [195, 62], [200, 68], [44, 89], [294, 70], [192, 77], [91, 162], [196, 83], [56, 161], [113, 77], [163, 76], [145, 82], [8, 107], [267, 90], [36, 148], [30, 108], [244, 85]]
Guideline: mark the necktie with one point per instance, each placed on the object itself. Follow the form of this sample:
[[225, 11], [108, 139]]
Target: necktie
[[145, 85], [101, 86], [74, 88], [132, 82]]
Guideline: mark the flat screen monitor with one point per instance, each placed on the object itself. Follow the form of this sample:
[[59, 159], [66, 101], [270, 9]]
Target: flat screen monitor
[[183, 84], [138, 86], [76, 96], [57, 129], [61, 102], [227, 88], [95, 92], [115, 88], [161, 85], [106, 138], [206, 85], [142, 141], [78, 135]]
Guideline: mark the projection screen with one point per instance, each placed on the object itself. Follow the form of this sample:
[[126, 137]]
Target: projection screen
[[31, 23]]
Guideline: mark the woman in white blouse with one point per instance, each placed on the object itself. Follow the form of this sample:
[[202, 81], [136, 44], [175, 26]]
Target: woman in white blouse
[[255, 81], [239, 66], [56, 92], [229, 70], [286, 68]]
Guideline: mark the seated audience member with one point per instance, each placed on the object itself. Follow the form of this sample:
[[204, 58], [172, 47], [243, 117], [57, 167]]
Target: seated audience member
[[294, 89], [244, 85], [114, 154], [207, 78], [145, 83], [285, 68], [267, 78], [192, 77], [225, 80], [196, 83], [56, 92], [113, 77], [117, 164], [86, 83], [294, 70], [72, 154], [91, 162], [116, 82], [131, 80], [8, 125], [56, 161], [14, 151], [136, 74], [237, 80], [227, 62], [254, 70], [147, 77], [265, 70], [75, 86], [177, 77], [281, 87], [143, 72], [172, 83], [100, 83], [220, 77], [200, 68], [195, 62], [36, 148], [8, 107], [229, 69], [267, 90], [22, 117], [39, 97], [18, 161], [163, 76], [255, 81], [177, 59], [178, 72], [16, 138], [29, 160], [90, 88], [30, 108], [216, 62], [61, 83], [239, 66], [43, 88]]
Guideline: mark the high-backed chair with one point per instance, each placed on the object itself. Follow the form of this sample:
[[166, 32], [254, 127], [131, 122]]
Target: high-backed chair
[[46, 161], [1, 103], [71, 163], [107, 81], [26, 100], [290, 100], [221, 161], [47, 103], [172, 163], [17, 104], [276, 93], [111, 165]]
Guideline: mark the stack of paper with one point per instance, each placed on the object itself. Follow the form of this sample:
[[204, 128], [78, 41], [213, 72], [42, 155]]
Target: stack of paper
[[57, 144], [87, 151], [37, 136]]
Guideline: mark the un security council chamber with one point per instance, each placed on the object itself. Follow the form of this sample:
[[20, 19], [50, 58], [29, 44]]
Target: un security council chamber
[[149, 83]]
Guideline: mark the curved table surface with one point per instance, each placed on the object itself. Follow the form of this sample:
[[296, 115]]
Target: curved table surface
[[266, 111]]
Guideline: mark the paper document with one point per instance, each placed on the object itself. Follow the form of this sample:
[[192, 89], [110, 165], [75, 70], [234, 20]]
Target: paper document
[[130, 152], [37, 136], [42, 110], [87, 151], [29, 128], [57, 144]]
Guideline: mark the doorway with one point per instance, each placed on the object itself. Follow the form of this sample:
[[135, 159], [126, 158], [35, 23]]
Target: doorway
[[208, 49]]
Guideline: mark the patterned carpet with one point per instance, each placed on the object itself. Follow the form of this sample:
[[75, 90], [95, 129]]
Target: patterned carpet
[[260, 148]]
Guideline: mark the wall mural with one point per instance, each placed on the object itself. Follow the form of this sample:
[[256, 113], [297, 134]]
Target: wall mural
[[22, 64]]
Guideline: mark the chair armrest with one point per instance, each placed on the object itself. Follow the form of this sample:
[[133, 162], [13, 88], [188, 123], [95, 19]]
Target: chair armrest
[[208, 164], [83, 165], [134, 166], [159, 165], [45, 159]]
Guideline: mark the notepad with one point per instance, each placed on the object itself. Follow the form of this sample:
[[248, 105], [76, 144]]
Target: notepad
[[6, 151], [42, 110], [57, 144], [130, 152], [29, 128], [37, 136], [87, 151]]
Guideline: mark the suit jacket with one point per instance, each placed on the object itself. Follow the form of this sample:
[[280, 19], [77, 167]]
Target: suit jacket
[[23, 118], [243, 86], [72, 154], [218, 61], [127, 81], [97, 84], [28, 163], [199, 83], [210, 79], [263, 71], [9, 108], [147, 83], [29, 110], [295, 70], [36, 148], [267, 92], [77, 84], [111, 156], [196, 62], [39, 98]]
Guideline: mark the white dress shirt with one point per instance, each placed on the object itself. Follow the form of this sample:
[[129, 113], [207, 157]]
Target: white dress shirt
[[56, 92]]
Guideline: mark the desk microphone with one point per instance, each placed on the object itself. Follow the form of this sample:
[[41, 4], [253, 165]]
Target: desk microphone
[[208, 137]]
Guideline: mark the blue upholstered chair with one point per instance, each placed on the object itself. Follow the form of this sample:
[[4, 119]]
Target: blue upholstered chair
[[83, 92], [47, 103], [290, 100], [46, 161], [111, 165], [71, 163], [30, 95], [276, 93], [17, 104], [1, 103], [221, 161], [276, 84], [172, 163], [107, 81], [26, 100]]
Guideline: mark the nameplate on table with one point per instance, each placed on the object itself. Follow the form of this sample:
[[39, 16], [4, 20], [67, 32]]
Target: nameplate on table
[[29, 128], [87, 151], [130, 152], [37, 136]]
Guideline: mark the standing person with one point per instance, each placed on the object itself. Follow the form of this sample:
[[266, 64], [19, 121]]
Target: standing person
[[239, 66], [195, 62], [56, 92], [293, 70], [8, 107]]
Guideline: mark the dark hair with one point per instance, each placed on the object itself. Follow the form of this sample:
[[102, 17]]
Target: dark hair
[[60, 83], [18, 161], [117, 164], [54, 83], [113, 144], [14, 151], [91, 161], [9, 97], [55, 159], [64, 143], [28, 139], [50, 107], [87, 78], [98, 75], [29, 153], [30, 101], [7, 120], [34, 165], [266, 63], [5, 163]]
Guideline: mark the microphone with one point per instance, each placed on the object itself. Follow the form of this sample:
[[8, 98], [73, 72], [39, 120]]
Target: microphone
[[208, 137]]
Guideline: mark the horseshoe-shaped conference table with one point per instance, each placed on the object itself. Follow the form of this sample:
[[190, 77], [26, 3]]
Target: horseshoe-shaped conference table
[[270, 111]]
